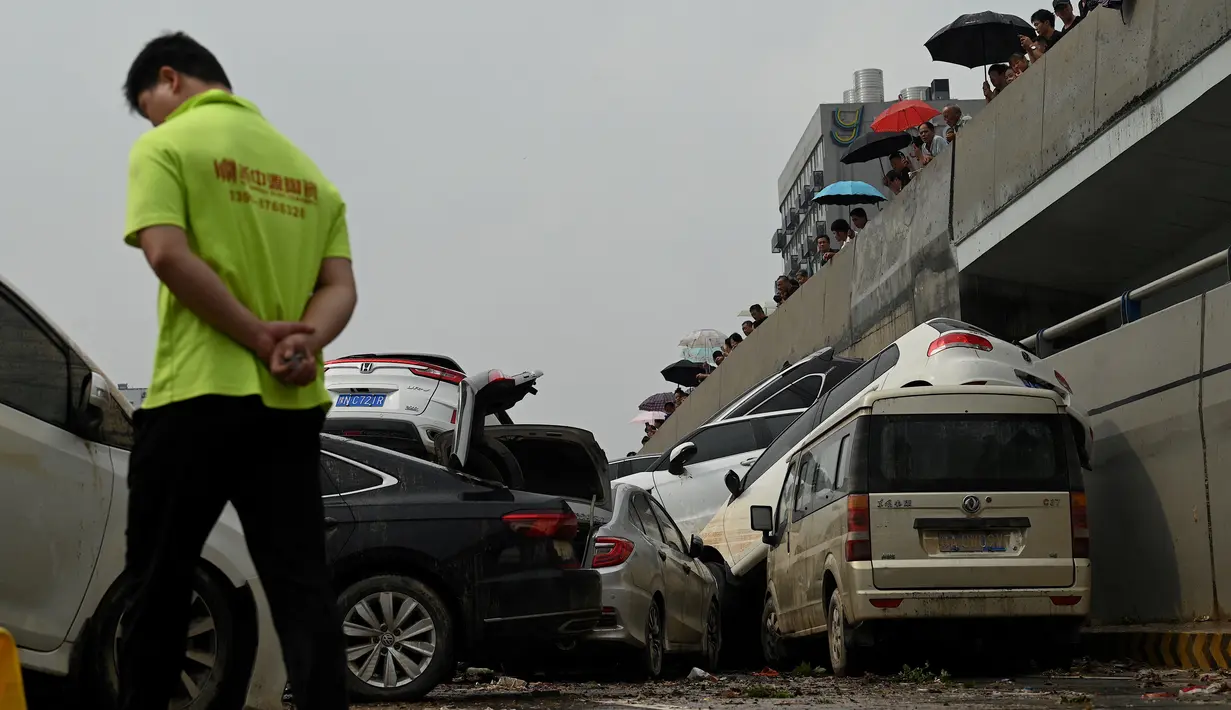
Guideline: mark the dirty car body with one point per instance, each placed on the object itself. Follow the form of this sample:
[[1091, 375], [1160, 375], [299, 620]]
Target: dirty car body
[[434, 565], [644, 561]]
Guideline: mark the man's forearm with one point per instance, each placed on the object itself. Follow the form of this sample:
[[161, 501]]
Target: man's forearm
[[328, 311], [199, 288]]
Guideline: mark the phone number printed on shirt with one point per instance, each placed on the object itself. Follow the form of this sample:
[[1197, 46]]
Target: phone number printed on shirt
[[267, 186], [267, 204]]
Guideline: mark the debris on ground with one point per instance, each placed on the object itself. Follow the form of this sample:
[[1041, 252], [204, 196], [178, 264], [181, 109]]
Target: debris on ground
[[767, 691], [921, 675], [478, 675], [511, 683], [767, 672], [698, 674], [1215, 688]]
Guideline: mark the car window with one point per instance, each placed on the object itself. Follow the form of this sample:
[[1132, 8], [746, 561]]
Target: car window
[[34, 375], [792, 435], [805, 485], [786, 499], [827, 464], [846, 390], [346, 477], [642, 509], [885, 361], [672, 534], [844, 455], [116, 428], [772, 427], [721, 440], [798, 395], [633, 517]]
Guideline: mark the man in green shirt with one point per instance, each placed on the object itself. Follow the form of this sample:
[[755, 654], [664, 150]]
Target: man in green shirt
[[249, 242]]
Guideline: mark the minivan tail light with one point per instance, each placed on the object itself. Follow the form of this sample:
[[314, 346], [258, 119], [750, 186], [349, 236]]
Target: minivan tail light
[[959, 340], [558, 526], [1081, 528], [438, 373], [1063, 382], [611, 551], [858, 540]]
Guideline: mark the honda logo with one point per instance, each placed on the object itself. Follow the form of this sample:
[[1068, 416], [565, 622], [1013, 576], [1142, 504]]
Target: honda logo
[[366, 367]]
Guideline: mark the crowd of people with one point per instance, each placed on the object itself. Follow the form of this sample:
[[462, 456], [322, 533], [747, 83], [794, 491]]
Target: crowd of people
[[1050, 26]]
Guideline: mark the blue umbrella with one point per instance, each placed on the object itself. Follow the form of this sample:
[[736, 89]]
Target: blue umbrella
[[849, 192]]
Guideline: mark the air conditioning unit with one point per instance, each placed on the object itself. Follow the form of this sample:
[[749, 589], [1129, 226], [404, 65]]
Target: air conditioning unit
[[792, 219], [777, 241], [805, 201], [810, 248], [818, 179]]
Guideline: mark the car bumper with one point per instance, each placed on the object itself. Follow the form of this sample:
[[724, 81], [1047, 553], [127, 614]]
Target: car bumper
[[624, 611], [534, 608], [1072, 602]]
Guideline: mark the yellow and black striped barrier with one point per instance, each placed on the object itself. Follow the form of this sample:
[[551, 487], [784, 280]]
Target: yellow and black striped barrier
[[1199, 650], [12, 693]]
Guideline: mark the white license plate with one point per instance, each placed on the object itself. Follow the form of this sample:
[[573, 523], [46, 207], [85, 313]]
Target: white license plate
[[973, 541]]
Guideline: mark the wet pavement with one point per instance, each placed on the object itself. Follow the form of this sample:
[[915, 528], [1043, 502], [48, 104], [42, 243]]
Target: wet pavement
[[1114, 686]]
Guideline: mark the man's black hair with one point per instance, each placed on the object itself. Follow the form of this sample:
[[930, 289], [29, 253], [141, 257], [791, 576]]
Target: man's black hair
[[756, 307], [737, 338], [178, 51], [998, 69], [893, 175], [860, 212], [748, 322], [645, 440], [1044, 16], [840, 225], [778, 299], [896, 154], [718, 354]]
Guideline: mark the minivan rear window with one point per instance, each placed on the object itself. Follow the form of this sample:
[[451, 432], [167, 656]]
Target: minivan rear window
[[922, 453]]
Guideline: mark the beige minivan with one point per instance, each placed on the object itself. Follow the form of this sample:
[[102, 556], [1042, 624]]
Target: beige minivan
[[929, 503]]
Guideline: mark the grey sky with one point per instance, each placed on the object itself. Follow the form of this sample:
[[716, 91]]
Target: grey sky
[[568, 186]]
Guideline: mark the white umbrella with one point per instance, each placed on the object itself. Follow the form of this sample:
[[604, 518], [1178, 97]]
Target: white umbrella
[[650, 417], [703, 340]]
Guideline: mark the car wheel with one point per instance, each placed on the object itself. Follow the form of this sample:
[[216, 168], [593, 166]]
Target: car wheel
[[843, 655], [773, 648], [399, 638], [655, 646], [712, 642], [212, 658]]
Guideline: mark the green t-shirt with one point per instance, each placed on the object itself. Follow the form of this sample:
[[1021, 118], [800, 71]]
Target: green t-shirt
[[260, 213]]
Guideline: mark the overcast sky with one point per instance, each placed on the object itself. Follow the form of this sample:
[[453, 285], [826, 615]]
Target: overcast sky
[[568, 186]]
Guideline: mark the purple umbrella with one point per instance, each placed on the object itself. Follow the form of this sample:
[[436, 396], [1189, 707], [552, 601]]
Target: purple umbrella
[[657, 402]]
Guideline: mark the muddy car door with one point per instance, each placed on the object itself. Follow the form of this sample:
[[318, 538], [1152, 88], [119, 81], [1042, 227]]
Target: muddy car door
[[685, 575], [341, 479]]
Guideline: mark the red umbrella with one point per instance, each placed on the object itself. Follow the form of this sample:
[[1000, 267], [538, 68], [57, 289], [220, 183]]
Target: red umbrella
[[904, 115]]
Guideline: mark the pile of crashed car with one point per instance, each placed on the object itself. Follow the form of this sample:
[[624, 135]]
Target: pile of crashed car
[[835, 501]]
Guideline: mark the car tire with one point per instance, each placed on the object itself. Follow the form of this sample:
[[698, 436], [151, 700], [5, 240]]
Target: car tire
[[711, 640], [653, 654], [844, 655], [409, 627], [213, 659], [773, 646]]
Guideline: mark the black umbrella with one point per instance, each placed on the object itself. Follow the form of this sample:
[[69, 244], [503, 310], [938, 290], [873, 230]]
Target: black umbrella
[[871, 146], [979, 39], [684, 373]]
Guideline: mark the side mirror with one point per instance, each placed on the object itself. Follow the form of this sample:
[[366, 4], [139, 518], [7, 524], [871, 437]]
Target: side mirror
[[680, 456], [695, 546], [734, 484], [763, 522], [94, 398]]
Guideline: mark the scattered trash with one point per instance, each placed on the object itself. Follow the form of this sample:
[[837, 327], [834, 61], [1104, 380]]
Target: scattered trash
[[767, 672], [698, 674], [1157, 696], [479, 675], [511, 683], [1211, 689], [1149, 677]]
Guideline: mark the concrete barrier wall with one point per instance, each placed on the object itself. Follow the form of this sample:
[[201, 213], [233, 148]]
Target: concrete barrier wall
[[1097, 73], [1161, 456]]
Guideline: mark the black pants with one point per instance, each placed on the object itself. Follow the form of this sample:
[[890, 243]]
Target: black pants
[[189, 460]]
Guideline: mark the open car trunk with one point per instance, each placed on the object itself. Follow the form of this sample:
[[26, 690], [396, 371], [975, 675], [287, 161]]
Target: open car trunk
[[538, 458]]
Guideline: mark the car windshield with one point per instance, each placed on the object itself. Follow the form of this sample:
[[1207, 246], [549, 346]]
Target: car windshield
[[922, 453]]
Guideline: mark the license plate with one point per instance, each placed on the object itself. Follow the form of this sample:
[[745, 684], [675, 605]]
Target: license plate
[[1032, 385], [361, 400], [974, 541]]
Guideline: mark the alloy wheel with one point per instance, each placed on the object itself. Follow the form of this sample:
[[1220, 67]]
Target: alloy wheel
[[200, 653], [713, 634], [654, 639], [837, 638], [391, 639]]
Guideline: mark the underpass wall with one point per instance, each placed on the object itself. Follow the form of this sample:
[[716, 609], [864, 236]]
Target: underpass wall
[[1159, 394]]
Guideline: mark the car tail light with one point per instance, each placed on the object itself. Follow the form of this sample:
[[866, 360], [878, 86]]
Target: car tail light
[[959, 340], [858, 540], [1066, 601], [1063, 382], [1081, 528], [438, 373], [611, 551], [559, 526], [453, 417], [886, 603]]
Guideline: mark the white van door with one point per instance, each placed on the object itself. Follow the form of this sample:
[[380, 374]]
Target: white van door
[[55, 487]]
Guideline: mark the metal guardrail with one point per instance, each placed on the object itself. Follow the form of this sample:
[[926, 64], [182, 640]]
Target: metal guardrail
[[1128, 304]]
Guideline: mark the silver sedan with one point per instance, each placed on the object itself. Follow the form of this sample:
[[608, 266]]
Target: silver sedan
[[658, 598]]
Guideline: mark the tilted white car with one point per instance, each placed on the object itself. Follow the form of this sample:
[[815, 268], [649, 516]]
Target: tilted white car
[[65, 436]]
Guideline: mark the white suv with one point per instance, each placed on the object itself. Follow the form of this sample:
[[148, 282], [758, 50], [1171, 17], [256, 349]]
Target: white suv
[[399, 401], [65, 436]]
